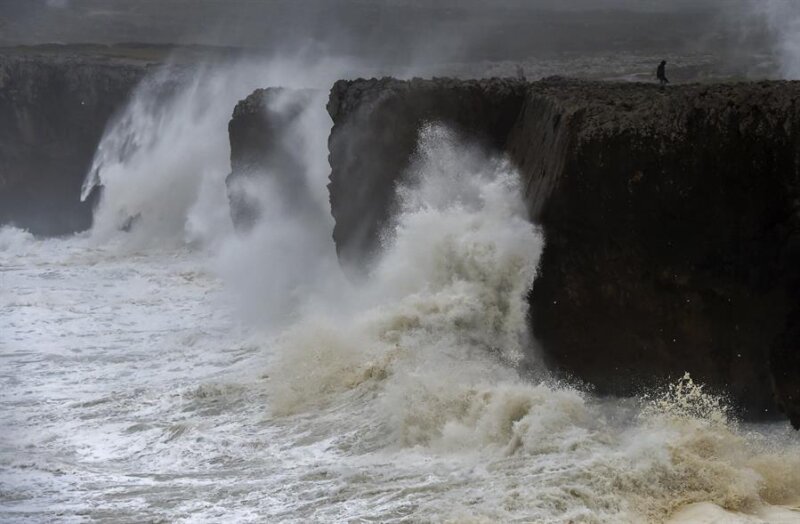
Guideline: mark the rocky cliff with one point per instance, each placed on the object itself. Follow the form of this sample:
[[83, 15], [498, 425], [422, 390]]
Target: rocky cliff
[[672, 219], [53, 110], [264, 150], [375, 130]]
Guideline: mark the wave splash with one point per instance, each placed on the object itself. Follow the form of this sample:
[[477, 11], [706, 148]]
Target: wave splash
[[163, 161], [424, 358], [163, 154], [421, 365]]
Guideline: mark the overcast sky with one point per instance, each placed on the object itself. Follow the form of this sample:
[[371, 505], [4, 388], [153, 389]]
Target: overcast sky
[[396, 29]]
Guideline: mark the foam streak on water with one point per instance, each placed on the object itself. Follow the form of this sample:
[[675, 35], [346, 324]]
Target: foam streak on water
[[131, 392]]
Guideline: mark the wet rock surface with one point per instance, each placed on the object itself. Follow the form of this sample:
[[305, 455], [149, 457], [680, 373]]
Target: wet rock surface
[[672, 219], [53, 111]]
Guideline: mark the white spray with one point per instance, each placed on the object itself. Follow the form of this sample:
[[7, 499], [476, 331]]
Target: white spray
[[162, 164], [422, 359], [288, 257]]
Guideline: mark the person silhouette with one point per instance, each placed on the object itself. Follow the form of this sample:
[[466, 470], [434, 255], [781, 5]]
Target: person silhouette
[[660, 73]]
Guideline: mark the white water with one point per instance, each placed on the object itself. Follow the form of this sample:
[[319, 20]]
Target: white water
[[134, 391], [163, 162]]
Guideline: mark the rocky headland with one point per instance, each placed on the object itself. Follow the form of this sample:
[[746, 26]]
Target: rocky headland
[[672, 219]]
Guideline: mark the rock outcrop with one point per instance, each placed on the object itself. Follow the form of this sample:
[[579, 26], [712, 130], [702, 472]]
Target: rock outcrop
[[264, 149], [53, 110], [672, 219], [376, 124]]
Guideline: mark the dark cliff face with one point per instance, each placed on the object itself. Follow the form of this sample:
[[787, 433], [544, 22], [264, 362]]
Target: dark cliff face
[[263, 149], [376, 123], [671, 227], [53, 111], [671, 219]]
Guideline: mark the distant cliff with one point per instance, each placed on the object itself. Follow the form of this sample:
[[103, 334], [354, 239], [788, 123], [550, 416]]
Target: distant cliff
[[672, 219], [53, 110]]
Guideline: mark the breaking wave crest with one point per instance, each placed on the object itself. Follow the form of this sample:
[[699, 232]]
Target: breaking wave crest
[[424, 359], [449, 287]]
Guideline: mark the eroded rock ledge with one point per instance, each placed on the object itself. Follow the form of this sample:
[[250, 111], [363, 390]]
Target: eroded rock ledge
[[672, 219]]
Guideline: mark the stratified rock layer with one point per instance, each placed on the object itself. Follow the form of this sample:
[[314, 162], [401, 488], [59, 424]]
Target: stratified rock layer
[[671, 219], [53, 110]]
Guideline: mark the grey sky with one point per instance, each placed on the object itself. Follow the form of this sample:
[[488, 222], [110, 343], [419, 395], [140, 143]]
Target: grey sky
[[396, 30]]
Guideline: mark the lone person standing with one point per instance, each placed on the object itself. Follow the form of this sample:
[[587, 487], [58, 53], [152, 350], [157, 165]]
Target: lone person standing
[[661, 75]]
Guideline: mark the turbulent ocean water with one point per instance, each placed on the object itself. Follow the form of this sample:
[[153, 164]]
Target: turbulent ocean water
[[164, 368]]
